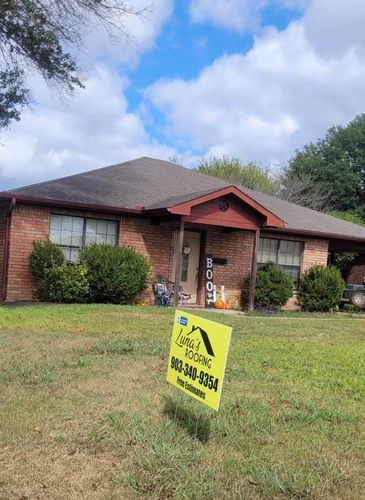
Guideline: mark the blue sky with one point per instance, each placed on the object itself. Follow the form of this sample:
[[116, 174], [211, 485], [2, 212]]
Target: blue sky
[[254, 79], [184, 48]]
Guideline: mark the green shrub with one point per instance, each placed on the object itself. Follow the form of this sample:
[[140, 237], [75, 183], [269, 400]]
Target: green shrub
[[116, 274], [321, 288], [67, 283], [273, 286], [43, 257]]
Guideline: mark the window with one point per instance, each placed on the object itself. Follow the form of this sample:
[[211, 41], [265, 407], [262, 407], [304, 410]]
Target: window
[[184, 266], [71, 233], [285, 253]]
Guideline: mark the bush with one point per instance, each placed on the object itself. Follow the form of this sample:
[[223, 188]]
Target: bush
[[116, 274], [273, 286], [67, 283], [321, 288], [43, 257]]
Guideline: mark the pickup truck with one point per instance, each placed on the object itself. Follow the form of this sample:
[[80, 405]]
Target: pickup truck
[[355, 294]]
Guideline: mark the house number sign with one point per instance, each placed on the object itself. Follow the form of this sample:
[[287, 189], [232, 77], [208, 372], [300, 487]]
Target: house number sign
[[209, 292]]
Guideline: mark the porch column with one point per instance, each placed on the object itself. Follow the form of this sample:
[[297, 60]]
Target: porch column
[[251, 293], [178, 261]]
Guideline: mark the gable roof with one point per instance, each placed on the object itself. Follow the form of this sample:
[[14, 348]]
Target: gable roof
[[183, 205], [149, 184]]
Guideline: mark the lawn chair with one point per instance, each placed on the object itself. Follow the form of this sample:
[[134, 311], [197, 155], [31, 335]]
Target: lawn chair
[[164, 293]]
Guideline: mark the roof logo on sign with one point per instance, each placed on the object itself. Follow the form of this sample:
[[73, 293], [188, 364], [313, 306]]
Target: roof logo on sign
[[193, 342]]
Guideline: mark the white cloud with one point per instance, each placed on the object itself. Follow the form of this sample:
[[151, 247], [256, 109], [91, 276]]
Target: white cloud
[[264, 104], [95, 127], [260, 105], [142, 32], [237, 15], [332, 26], [90, 131]]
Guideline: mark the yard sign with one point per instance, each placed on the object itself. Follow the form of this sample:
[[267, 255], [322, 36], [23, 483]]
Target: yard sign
[[198, 356]]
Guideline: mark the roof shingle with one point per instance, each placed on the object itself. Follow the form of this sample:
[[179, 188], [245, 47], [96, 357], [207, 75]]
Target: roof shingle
[[152, 184]]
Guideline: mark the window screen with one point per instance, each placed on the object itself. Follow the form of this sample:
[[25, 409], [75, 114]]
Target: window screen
[[285, 253], [71, 233], [100, 231]]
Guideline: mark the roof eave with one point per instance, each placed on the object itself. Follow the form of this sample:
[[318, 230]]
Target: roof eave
[[68, 204], [317, 234]]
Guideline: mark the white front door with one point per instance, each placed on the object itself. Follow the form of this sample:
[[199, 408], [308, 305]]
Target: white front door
[[190, 264]]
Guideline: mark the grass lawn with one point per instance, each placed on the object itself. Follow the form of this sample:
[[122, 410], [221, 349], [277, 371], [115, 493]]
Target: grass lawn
[[85, 411]]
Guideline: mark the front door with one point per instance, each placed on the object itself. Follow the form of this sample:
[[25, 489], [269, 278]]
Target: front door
[[190, 264]]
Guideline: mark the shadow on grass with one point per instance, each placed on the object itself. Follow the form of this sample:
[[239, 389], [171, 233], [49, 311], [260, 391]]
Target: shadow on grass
[[196, 424]]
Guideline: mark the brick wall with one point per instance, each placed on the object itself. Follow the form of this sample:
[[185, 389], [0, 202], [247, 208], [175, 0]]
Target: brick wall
[[237, 248], [2, 247], [28, 223], [356, 274], [153, 241], [315, 252], [31, 223]]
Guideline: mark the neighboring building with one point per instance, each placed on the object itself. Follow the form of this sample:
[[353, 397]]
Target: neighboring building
[[174, 215]]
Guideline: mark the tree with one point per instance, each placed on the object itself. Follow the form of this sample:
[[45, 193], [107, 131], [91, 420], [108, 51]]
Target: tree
[[335, 165], [305, 192], [231, 169], [38, 34], [349, 217]]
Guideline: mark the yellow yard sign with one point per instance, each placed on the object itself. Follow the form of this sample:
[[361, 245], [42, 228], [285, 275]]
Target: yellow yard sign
[[198, 356]]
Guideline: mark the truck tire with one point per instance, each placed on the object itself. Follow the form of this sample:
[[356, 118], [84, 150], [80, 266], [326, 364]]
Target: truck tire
[[358, 299]]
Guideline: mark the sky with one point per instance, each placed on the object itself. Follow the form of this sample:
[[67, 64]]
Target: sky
[[253, 79]]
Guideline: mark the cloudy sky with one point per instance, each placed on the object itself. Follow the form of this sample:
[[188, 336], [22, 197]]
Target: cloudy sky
[[254, 79]]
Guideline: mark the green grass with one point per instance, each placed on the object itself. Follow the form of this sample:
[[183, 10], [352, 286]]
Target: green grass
[[85, 410]]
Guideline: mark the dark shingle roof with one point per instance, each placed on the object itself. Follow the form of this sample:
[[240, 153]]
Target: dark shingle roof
[[137, 183], [152, 184]]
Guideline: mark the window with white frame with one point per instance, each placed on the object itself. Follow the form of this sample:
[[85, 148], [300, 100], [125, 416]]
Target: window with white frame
[[286, 253], [71, 233]]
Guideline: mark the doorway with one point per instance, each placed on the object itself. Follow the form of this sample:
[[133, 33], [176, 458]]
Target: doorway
[[190, 264]]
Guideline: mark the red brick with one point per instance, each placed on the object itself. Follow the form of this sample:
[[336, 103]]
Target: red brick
[[30, 223]]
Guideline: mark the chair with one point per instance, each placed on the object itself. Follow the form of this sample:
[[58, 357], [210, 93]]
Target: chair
[[163, 289]]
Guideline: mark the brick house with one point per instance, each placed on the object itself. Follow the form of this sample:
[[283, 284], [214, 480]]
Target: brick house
[[179, 218]]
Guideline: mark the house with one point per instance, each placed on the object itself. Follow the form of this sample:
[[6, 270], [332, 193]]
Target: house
[[196, 229]]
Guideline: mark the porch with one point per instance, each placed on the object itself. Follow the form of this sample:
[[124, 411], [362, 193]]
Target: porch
[[214, 243]]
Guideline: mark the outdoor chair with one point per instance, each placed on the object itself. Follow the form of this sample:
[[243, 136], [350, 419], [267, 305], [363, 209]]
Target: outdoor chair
[[164, 292]]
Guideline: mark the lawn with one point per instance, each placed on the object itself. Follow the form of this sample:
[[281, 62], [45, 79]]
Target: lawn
[[85, 411]]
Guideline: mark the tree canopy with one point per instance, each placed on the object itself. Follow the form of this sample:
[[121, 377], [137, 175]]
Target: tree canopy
[[35, 33], [349, 217], [250, 175], [336, 165]]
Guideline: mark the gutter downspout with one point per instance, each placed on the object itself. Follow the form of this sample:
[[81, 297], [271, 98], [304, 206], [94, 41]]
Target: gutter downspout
[[7, 248]]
